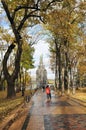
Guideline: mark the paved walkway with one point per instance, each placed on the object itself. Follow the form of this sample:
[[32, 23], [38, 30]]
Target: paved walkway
[[60, 113]]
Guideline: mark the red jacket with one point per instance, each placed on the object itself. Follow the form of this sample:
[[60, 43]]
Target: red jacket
[[47, 90]]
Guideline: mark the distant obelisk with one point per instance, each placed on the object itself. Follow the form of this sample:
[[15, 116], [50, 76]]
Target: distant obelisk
[[41, 74]]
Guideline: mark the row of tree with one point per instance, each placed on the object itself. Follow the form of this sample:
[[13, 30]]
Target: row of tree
[[66, 25]]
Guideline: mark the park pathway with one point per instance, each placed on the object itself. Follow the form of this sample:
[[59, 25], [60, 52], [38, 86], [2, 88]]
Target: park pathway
[[61, 113]]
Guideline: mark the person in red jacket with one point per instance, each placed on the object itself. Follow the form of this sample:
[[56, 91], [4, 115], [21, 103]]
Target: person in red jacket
[[48, 92]]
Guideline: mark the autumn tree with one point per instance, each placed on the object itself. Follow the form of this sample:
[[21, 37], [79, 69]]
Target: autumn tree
[[20, 15], [81, 66], [5, 39], [64, 23], [27, 61]]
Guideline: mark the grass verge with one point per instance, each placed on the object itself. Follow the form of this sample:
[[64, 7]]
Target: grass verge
[[7, 105], [80, 94]]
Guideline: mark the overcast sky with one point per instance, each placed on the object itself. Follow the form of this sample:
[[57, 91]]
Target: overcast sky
[[41, 48]]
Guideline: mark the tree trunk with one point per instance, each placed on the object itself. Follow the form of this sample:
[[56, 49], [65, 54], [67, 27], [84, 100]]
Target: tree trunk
[[59, 69], [66, 72], [1, 81], [63, 90], [11, 89], [56, 71], [59, 64], [10, 78], [66, 77]]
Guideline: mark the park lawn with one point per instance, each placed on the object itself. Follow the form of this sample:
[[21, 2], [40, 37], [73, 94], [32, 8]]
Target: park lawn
[[7, 105], [80, 94]]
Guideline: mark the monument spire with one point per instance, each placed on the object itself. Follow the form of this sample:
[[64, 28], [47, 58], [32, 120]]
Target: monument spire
[[41, 60], [41, 73]]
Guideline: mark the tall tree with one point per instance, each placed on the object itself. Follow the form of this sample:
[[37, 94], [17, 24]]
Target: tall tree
[[63, 23], [20, 14]]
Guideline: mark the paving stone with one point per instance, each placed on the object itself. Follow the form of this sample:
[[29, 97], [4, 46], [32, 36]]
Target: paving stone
[[60, 113], [65, 122]]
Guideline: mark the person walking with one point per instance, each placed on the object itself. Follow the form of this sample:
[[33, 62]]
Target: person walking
[[43, 88], [48, 92]]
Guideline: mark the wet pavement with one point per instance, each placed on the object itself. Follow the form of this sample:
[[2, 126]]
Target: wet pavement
[[61, 113]]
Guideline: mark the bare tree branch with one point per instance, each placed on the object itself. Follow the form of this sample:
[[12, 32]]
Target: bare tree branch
[[7, 11], [23, 7], [25, 18], [51, 3]]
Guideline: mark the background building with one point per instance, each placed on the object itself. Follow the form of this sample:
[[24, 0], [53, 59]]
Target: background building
[[41, 74]]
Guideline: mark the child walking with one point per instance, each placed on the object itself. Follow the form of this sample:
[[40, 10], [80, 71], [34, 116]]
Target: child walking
[[48, 92]]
